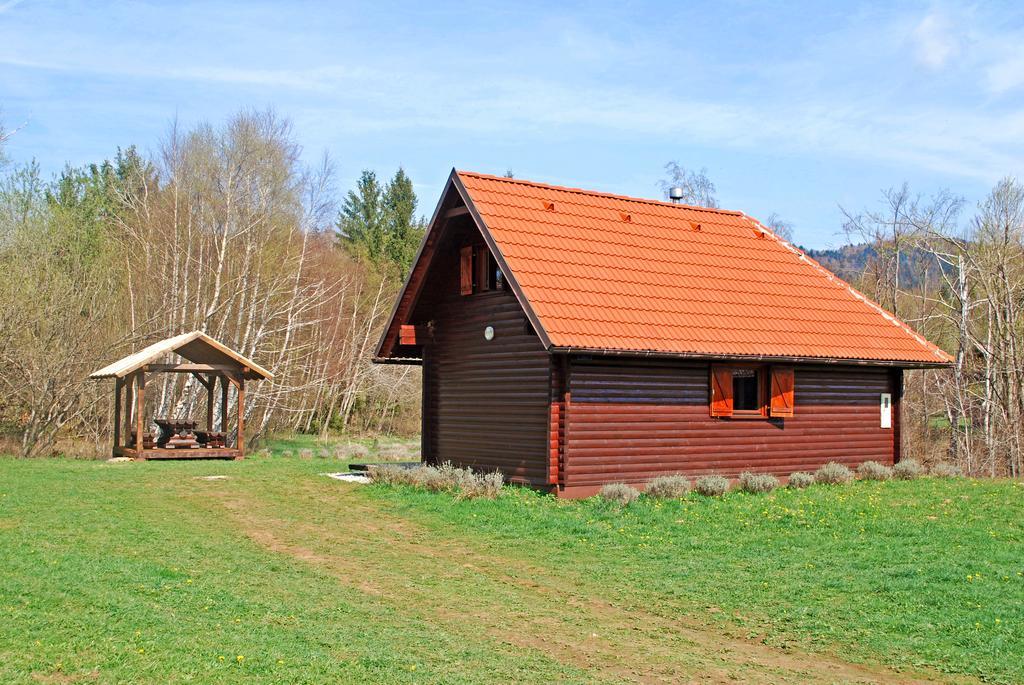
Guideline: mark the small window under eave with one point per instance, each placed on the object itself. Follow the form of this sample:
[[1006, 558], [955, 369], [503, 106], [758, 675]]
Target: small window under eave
[[751, 391], [478, 270]]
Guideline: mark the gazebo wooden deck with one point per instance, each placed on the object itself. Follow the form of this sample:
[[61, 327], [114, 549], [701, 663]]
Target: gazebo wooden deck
[[180, 438]]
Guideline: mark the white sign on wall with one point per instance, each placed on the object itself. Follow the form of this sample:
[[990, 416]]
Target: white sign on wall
[[886, 406]]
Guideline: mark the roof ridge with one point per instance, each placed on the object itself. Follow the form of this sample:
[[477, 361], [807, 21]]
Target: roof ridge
[[597, 193]]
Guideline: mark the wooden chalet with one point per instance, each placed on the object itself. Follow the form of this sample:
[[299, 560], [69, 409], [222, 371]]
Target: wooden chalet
[[211, 364], [571, 339]]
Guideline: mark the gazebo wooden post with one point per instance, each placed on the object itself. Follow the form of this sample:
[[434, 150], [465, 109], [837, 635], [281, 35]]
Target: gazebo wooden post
[[140, 404], [223, 403], [240, 439], [129, 406], [211, 381], [118, 385]]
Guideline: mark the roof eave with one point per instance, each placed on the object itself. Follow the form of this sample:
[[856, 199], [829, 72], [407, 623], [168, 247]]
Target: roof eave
[[252, 370], [644, 354], [380, 354]]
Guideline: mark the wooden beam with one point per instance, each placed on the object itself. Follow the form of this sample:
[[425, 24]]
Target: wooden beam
[[118, 386], [223, 404], [193, 368], [140, 406], [413, 335], [129, 407], [212, 380], [426, 415], [240, 438], [202, 381], [456, 211]]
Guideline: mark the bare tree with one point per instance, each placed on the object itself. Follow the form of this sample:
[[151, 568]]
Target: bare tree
[[225, 231], [698, 190], [780, 227]]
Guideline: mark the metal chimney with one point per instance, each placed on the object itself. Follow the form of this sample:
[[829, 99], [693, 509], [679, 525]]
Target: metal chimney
[[675, 193]]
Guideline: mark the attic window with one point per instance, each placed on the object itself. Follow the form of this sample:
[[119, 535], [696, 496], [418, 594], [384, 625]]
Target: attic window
[[478, 270], [748, 391]]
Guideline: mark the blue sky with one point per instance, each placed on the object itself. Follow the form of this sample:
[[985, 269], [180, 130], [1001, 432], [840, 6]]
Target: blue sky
[[793, 108]]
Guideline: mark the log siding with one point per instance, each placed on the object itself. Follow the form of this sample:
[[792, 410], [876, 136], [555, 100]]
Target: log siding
[[632, 421], [487, 403]]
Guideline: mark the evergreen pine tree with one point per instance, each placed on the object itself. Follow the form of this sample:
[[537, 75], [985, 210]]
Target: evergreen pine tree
[[361, 221], [403, 230]]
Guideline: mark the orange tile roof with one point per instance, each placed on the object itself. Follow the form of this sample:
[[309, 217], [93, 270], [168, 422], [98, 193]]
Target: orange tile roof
[[607, 272]]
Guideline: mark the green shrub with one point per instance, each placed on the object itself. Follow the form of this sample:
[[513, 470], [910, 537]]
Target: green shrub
[[833, 473], [872, 470], [800, 479], [908, 469], [668, 487], [944, 469], [711, 486], [620, 493], [757, 482]]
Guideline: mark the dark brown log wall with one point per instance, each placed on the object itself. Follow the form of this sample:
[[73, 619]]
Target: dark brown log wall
[[486, 404], [629, 422]]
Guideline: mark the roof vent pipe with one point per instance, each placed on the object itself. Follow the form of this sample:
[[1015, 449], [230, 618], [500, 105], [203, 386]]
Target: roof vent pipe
[[675, 193]]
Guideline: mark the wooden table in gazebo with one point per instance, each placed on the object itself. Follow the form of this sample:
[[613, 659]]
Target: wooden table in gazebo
[[210, 363]]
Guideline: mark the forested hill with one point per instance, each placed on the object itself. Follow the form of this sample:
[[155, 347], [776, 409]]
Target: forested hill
[[849, 262]]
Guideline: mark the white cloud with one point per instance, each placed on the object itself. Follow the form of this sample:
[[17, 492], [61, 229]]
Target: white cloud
[[934, 41]]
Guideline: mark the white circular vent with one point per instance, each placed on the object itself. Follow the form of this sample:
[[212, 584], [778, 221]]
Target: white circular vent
[[489, 333]]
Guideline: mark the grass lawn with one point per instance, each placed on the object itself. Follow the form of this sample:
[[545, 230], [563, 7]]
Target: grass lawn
[[148, 573]]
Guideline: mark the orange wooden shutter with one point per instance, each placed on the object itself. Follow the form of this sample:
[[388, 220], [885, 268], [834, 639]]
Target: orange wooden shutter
[[482, 262], [721, 391], [466, 270], [782, 391]]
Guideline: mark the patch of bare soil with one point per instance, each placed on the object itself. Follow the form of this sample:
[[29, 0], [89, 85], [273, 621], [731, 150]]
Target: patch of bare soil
[[515, 603]]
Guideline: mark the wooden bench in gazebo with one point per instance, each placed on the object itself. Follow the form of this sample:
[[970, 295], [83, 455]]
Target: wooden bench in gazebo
[[209, 362]]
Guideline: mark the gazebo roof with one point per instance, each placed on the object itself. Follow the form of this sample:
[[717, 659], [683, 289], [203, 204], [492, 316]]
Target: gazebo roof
[[196, 347]]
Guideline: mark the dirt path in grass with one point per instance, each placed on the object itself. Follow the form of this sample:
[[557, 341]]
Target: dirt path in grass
[[475, 591]]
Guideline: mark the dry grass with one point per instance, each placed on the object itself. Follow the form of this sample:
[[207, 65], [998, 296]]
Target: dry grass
[[620, 493], [444, 478], [833, 473], [908, 469], [757, 482], [351, 450], [669, 487], [944, 469], [711, 486], [800, 479], [872, 470]]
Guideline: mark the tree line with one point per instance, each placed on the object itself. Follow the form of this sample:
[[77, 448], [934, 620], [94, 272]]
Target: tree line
[[223, 230]]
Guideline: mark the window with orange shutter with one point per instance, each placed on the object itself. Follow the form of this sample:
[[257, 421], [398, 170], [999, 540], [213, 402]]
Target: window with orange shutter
[[479, 270], [466, 270], [751, 391], [782, 391]]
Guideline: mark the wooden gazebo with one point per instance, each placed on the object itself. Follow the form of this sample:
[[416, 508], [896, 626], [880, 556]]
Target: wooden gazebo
[[180, 437]]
